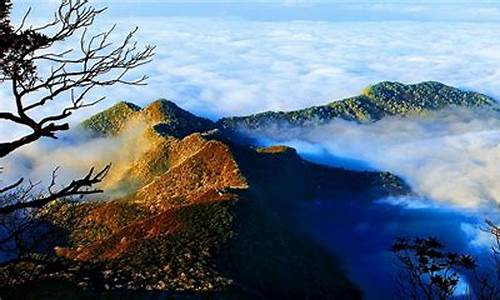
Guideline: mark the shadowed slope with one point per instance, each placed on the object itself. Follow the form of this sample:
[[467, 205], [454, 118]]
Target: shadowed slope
[[205, 214]]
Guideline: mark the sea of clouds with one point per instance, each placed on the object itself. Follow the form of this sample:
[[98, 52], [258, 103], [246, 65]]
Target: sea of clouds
[[451, 156], [216, 63], [220, 67], [451, 161], [235, 64]]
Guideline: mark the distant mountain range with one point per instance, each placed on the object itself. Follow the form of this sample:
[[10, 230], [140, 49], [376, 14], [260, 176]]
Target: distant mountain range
[[376, 102], [200, 212]]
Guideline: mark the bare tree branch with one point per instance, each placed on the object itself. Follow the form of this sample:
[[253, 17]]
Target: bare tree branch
[[68, 75], [12, 186], [71, 75], [81, 186]]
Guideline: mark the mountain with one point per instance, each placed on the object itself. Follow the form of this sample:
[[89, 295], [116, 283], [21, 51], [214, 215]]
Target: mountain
[[163, 115], [197, 213], [376, 102]]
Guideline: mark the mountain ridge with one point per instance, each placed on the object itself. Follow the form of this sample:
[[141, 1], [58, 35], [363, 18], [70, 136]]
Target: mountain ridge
[[376, 102], [196, 209], [166, 118], [201, 212]]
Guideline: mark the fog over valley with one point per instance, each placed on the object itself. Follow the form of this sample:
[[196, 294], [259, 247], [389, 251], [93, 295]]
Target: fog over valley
[[250, 149]]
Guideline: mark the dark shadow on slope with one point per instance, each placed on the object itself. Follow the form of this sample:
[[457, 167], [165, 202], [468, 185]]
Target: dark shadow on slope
[[33, 236], [269, 257], [270, 253], [60, 289], [279, 173]]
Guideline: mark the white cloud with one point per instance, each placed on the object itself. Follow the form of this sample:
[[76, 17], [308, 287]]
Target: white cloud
[[477, 236], [226, 67], [452, 157], [232, 66]]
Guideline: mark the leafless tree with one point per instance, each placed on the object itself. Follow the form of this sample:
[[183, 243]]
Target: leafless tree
[[487, 282], [42, 75], [427, 271], [73, 74]]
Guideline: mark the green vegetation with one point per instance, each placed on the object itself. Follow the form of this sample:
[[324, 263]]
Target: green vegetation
[[227, 242], [164, 116], [111, 120], [377, 101]]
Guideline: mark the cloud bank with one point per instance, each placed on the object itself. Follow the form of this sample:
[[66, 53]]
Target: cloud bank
[[74, 154], [451, 156], [232, 67], [226, 66]]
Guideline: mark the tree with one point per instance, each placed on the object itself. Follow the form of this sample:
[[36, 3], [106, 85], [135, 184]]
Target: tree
[[487, 282], [72, 74], [427, 271]]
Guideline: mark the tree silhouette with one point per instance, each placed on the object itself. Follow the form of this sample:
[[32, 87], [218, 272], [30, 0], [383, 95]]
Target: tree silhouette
[[73, 74], [427, 270], [486, 282], [67, 78]]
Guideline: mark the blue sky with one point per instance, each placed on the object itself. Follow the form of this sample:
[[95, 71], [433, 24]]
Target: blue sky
[[288, 10]]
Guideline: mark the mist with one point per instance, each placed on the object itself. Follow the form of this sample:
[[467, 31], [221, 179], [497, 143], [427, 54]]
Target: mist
[[452, 156], [74, 153], [451, 161]]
